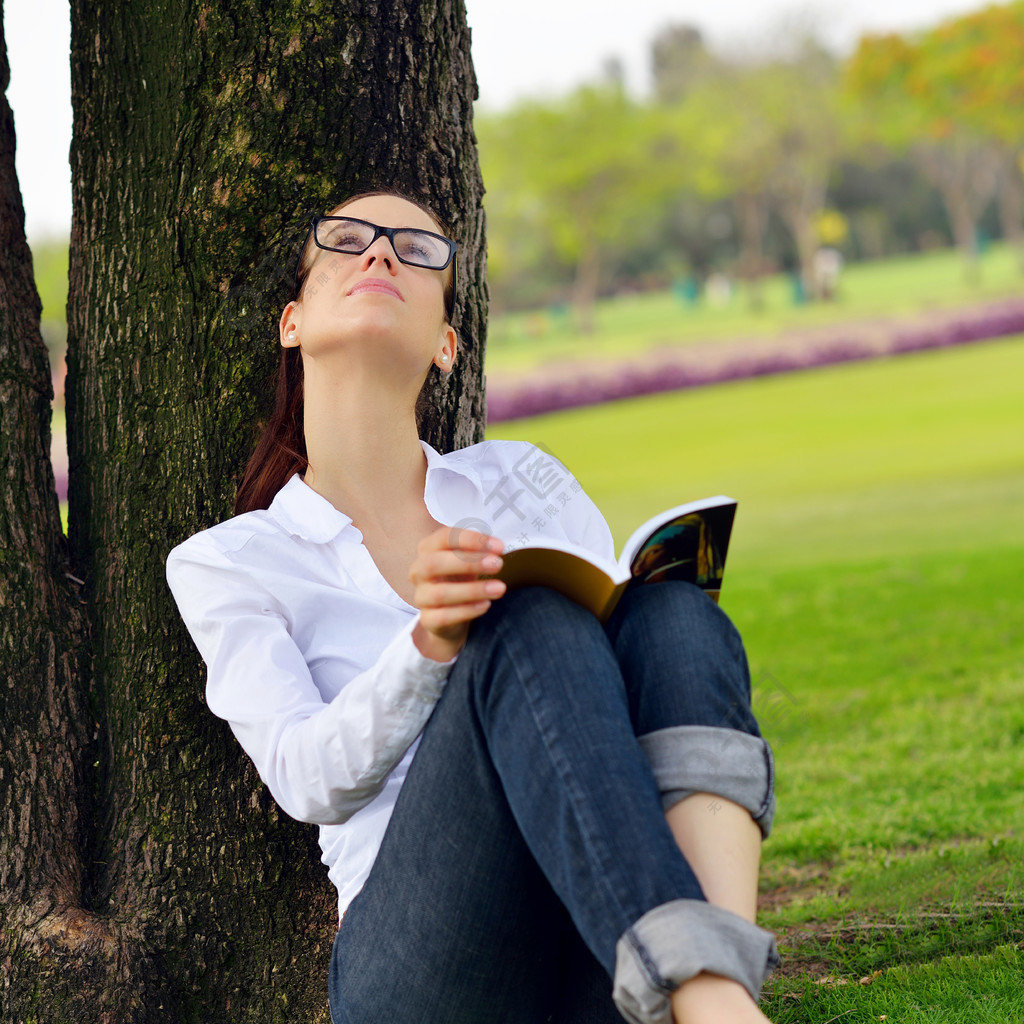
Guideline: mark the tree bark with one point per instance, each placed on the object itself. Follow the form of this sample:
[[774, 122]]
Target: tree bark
[[45, 726], [204, 136]]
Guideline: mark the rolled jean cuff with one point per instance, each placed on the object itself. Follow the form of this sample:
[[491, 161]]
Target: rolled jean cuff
[[677, 941], [688, 759]]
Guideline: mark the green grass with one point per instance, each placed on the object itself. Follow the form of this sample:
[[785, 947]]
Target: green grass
[[971, 989], [894, 287], [876, 576]]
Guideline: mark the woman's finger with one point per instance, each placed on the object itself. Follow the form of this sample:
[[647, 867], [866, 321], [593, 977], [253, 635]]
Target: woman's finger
[[451, 621], [446, 564], [451, 594]]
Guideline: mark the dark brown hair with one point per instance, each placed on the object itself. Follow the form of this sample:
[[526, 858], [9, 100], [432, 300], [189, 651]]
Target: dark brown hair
[[281, 449]]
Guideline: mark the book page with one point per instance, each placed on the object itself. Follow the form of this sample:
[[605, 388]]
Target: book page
[[691, 547]]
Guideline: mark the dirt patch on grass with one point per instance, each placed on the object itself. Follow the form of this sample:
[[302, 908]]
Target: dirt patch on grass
[[785, 885]]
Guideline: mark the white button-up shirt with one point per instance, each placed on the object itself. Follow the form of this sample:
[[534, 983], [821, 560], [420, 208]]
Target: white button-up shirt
[[309, 651]]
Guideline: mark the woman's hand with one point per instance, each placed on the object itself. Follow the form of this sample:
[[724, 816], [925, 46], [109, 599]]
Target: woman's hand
[[449, 592]]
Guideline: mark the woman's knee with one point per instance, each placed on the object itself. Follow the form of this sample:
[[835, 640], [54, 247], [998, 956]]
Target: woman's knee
[[682, 659], [670, 609], [535, 618]]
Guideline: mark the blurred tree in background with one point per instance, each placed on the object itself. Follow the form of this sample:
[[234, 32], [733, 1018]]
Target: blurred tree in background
[[567, 181], [747, 164], [954, 98], [767, 136]]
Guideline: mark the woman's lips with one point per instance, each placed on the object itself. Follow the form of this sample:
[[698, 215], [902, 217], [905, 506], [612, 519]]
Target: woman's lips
[[376, 284]]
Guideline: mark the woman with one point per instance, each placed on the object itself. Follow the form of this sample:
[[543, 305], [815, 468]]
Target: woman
[[504, 846]]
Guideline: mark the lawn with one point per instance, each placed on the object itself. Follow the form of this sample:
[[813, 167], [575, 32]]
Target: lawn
[[876, 575]]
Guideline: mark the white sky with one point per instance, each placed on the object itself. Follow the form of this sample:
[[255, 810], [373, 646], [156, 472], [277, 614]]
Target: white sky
[[526, 48]]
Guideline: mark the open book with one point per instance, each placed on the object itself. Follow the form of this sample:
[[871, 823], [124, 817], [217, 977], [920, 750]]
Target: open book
[[688, 542]]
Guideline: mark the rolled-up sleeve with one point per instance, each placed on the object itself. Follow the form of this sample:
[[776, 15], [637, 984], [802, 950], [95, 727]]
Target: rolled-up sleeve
[[322, 760]]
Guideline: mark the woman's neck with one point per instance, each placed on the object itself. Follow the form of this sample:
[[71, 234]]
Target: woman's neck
[[364, 450]]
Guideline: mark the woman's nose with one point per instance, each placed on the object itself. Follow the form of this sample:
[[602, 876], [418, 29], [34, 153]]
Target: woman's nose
[[381, 250]]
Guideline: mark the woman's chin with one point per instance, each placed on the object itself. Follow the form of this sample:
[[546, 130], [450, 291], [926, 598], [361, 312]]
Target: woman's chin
[[378, 358]]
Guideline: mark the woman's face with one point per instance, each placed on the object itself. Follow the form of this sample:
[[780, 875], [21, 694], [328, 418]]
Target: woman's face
[[386, 309]]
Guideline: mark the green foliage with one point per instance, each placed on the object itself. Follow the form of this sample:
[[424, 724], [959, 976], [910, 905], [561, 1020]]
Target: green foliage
[[724, 134], [50, 263], [570, 159], [953, 96], [586, 177], [964, 75], [750, 128]]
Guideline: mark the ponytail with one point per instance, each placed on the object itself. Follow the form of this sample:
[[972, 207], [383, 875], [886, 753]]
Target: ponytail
[[281, 449]]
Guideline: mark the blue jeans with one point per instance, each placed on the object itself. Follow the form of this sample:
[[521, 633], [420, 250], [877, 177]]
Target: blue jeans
[[528, 869]]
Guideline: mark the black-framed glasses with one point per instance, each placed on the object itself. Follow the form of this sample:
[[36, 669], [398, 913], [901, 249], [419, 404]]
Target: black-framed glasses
[[413, 246]]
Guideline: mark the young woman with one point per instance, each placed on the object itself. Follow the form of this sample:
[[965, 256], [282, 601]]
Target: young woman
[[528, 816]]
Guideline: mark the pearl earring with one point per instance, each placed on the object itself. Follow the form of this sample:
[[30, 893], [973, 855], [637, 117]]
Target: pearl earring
[[291, 335], [444, 359]]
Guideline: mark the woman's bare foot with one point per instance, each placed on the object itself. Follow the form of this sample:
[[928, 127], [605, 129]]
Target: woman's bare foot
[[712, 999]]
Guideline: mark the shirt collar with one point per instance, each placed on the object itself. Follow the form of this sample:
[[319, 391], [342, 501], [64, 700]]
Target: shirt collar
[[458, 462], [306, 514]]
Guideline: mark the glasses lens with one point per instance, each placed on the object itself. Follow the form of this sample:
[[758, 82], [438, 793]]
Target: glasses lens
[[421, 248], [344, 235]]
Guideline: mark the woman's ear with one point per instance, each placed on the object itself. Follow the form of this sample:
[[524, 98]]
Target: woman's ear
[[445, 357], [289, 326]]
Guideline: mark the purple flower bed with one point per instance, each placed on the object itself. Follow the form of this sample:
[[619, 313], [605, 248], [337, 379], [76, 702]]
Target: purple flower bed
[[695, 367]]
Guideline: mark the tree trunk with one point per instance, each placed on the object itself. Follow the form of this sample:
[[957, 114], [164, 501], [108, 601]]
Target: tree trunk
[[584, 289], [965, 174], [965, 228], [800, 203], [751, 216], [1011, 201], [204, 136], [45, 727]]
